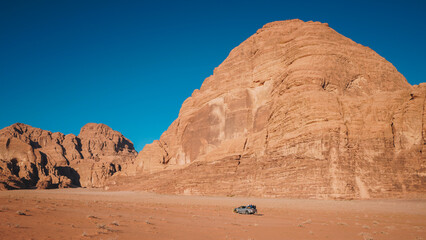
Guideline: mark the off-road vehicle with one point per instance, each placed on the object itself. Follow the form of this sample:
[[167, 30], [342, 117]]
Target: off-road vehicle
[[250, 209]]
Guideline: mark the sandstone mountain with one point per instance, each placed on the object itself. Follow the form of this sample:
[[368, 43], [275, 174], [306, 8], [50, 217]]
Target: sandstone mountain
[[296, 110], [32, 157]]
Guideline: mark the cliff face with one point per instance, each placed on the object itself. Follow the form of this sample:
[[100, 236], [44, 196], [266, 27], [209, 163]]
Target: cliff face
[[297, 110], [34, 157]]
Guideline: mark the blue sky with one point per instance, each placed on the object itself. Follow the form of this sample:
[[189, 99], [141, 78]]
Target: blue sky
[[131, 64]]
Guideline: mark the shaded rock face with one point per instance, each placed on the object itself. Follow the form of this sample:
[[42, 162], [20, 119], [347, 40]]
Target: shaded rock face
[[297, 110], [32, 157]]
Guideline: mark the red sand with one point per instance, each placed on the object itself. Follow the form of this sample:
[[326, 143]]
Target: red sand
[[95, 214]]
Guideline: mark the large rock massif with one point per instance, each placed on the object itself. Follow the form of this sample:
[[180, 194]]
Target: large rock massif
[[32, 157], [297, 110]]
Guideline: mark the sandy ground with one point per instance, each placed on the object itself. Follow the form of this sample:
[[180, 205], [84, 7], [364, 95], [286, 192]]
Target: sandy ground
[[96, 214]]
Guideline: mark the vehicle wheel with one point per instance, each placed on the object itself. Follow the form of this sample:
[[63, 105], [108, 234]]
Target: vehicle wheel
[[247, 212]]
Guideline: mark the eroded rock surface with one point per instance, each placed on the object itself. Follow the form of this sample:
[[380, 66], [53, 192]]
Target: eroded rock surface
[[297, 110], [32, 157]]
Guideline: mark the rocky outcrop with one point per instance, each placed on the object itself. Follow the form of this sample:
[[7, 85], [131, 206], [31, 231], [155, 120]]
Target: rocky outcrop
[[109, 153], [32, 157], [297, 110]]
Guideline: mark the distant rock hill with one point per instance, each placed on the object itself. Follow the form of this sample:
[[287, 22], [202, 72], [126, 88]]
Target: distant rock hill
[[297, 110], [31, 157]]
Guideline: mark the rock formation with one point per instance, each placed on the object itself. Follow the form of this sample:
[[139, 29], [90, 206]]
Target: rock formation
[[297, 110], [32, 157]]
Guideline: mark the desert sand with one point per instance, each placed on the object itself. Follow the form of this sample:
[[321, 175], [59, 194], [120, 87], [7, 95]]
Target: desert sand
[[97, 214]]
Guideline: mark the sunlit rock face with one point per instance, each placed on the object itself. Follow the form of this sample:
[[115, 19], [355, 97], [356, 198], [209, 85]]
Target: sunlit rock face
[[296, 110], [32, 157]]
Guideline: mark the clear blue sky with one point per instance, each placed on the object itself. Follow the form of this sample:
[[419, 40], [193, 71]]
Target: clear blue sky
[[131, 64]]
